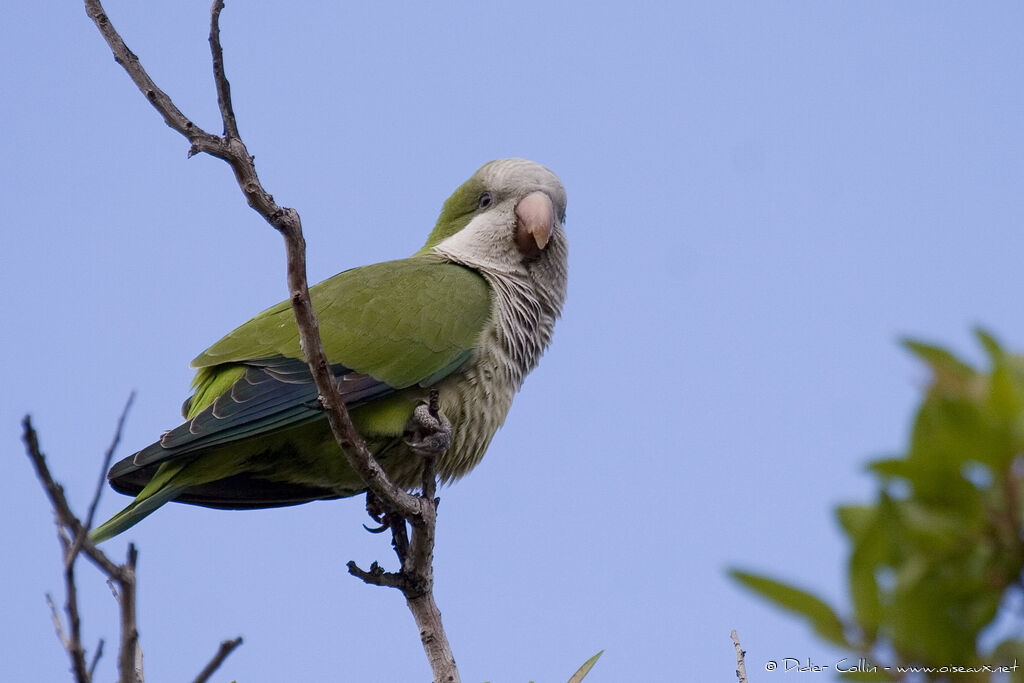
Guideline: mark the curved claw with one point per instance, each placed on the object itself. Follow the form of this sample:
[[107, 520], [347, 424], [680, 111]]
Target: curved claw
[[376, 514], [428, 433]]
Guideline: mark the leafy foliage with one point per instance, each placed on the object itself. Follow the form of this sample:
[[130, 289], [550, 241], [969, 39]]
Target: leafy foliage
[[940, 549]]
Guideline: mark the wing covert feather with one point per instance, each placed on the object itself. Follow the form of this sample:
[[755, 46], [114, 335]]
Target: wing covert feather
[[401, 322]]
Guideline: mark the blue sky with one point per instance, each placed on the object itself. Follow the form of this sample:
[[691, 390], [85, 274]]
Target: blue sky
[[763, 198]]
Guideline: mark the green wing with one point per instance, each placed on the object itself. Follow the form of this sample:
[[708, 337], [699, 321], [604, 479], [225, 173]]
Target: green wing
[[385, 327], [402, 322]]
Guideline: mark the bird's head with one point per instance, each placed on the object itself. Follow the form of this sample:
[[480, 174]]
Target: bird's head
[[506, 221]]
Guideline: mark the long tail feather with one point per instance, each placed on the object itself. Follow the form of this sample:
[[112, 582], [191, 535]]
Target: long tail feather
[[161, 489]]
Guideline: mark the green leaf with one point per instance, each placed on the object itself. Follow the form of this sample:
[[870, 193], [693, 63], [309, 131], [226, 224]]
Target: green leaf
[[1004, 393], [949, 431], [864, 594], [822, 618], [585, 669], [992, 347], [855, 519], [939, 530], [873, 547], [889, 467], [949, 370]]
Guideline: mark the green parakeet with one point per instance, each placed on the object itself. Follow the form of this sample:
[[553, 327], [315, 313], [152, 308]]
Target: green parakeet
[[469, 315]]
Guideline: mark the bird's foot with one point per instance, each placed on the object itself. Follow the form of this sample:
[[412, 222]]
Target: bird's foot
[[377, 514], [428, 433]]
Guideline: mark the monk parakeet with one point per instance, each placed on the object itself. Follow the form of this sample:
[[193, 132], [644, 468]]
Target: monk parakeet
[[468, 315]]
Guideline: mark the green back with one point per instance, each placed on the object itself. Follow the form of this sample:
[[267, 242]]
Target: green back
[[402, 322]]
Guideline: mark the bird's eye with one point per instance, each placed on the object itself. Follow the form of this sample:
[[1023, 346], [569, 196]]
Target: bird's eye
[[484, 201]]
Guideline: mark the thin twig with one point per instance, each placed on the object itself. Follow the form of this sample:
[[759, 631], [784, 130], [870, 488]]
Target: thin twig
[[227, 112], [157, 97], [65, 518], [96, 658], [70, 527], [120, 578], [74, 647], [58, 625], [226, 648], [108, 457], [71, 551], [741, 667], [376, 576]]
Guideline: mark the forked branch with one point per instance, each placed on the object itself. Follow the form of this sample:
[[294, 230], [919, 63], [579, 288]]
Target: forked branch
[[285, 220], [416, 576], [73, 535]]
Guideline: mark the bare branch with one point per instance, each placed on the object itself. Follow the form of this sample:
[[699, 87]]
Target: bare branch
[[377, 576], [129, 660], [96, 658], [65, 518], [226, 648], [72, 553], [416, 576], [416, 556], [286, 221], [741, 667], [69, 527], [157, 97], [120, 578], [108, 457], [227, 112], [433, 637], [58, 625], [74, 645]]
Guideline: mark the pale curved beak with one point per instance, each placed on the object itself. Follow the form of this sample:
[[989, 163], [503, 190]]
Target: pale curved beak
[[535, 221]]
